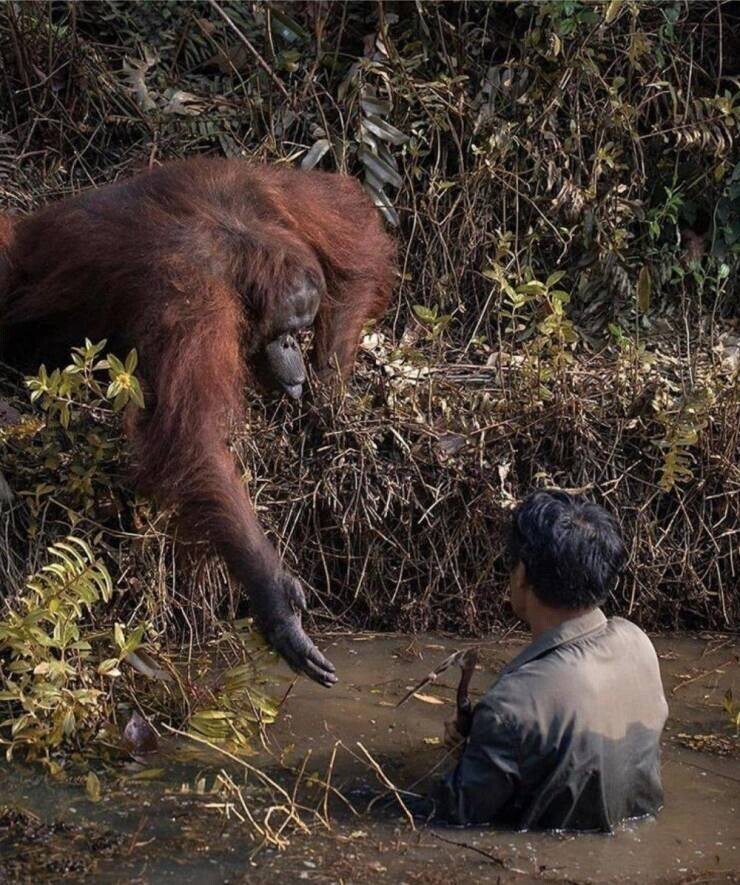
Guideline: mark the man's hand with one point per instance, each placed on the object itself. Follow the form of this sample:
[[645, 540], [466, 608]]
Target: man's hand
[[453, 740]]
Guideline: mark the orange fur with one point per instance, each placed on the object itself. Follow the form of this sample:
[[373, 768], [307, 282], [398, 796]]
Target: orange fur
[[185, 263]]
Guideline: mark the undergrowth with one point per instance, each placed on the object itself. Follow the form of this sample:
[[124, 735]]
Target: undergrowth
[[564, 182], [71, 672]]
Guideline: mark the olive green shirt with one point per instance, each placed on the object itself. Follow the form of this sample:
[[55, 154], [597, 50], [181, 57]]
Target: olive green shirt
[[569, 735]]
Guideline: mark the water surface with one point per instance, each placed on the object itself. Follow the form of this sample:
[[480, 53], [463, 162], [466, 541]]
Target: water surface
[[171, 827]]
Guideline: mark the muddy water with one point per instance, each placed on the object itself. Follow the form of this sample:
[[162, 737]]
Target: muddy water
[[160, 829]]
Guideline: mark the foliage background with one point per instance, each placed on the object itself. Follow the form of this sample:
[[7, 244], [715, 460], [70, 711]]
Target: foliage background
[[564, 181]]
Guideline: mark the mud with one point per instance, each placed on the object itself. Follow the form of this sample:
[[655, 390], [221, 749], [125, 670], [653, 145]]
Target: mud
[[163, 823]]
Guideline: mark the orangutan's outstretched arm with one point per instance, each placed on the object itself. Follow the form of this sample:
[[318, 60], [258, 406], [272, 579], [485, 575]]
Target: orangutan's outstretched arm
[[224, 512], [193, 369]]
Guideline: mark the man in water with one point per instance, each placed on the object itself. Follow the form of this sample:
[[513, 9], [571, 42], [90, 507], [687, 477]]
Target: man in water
[[568, 737]]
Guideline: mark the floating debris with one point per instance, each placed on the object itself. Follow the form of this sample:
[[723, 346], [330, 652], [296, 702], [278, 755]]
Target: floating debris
[[139, 736]]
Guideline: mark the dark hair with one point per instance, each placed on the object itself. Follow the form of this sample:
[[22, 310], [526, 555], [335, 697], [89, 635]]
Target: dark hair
[[571, 549]]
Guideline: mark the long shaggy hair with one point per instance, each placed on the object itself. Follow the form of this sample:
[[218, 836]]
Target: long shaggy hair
[[189, 264]]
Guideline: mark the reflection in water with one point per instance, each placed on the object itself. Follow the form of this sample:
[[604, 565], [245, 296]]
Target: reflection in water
[[151, 831]]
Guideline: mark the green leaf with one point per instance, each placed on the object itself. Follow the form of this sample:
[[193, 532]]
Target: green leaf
[[92, 787], [425, 314], [287, 27], [554, 278], [147, 774], [69, 723], [109, 667], [116, 367], [532, 288], [137, 397], [644, 287], [612, 11], [118, 635], [213, 714]]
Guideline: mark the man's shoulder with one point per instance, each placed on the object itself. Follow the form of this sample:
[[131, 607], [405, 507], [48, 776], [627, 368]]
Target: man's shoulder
[[631, 634], [515, 697], [624, 624], [560, 676]]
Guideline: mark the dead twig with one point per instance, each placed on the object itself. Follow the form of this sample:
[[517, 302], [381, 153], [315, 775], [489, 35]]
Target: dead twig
[[245, 40]]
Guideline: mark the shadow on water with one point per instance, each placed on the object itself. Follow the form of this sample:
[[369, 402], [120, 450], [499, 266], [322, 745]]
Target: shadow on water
[[165, 822]]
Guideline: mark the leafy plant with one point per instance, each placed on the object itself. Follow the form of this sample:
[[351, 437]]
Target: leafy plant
[[683, 420], [434, 322], [727, 218], [57, 656], [537, 318], [241, 703], [60, 655], [367, 87], [665, 213], [58, 393], [732, 709], [564, 17], [73, 455], [51, 668]]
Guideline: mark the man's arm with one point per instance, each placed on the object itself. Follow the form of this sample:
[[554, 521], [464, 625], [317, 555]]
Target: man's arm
[[487, 774]]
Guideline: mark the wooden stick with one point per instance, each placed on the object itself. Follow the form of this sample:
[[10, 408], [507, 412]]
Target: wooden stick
[[391, 786]]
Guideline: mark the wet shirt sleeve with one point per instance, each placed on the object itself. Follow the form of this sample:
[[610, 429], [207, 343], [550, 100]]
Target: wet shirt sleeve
[[487, 774]]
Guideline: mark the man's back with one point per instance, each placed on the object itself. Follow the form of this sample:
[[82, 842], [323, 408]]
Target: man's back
[[568, 737]]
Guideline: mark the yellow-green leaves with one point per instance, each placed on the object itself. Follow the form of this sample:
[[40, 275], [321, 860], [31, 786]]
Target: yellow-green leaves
[[49, 654], [70, 452], [612, 10], [130, 644], [644, 288], [123, 387], [431, 318], [109, 667], [92, 787], [59, 393], [239, 706], [683, 419], [732, 709], [539, 322]]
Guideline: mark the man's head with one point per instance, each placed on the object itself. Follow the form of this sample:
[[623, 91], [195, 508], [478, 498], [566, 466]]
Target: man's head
[[566, 554]]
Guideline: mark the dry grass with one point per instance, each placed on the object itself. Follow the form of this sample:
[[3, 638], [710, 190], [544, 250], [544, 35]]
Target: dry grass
[[519, 139]]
